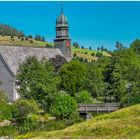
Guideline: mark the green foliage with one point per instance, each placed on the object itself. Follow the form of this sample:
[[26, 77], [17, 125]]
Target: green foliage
[[94, 82], [63, 105], [22, 108], [127, 70], [135, 45], [98, 54], [7, 30], [5, 111], [5, 108], [3, 97], [83, 97], [74, 55], [58, 61], [36, 79], [73, 75], [76, 45], [29, 124]]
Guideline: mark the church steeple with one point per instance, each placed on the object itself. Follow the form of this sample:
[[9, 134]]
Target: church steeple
[[62, 40]]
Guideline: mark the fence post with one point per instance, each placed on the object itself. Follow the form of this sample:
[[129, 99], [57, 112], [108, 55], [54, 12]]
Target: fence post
[[108, 109], [97, 109]]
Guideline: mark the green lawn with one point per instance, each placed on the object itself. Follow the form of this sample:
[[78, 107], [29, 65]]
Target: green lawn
[[124, 123]]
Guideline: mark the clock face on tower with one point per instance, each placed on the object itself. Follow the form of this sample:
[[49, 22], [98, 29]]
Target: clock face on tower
[[68, 43]]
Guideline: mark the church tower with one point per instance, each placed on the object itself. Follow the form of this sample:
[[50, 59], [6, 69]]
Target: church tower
[[62, 40]]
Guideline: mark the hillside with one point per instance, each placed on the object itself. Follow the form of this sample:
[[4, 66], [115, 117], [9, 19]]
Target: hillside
[[19, 42], [124, 123], [7, 30], [84, 53]]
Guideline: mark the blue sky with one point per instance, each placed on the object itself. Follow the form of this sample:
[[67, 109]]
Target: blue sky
[[91, 23]]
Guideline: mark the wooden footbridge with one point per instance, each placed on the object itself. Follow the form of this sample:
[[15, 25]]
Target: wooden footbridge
[[84, 109]]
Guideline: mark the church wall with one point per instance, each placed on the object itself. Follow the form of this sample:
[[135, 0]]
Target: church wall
[[7, 80]]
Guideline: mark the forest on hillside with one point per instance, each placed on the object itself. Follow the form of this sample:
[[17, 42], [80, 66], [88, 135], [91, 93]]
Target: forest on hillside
[[7, 30]]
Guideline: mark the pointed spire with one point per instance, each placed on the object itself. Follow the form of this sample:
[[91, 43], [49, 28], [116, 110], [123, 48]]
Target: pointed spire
[[61, 7]]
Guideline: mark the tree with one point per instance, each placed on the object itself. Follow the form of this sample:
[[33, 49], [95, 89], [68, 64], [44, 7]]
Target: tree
[[102, 48], [83, 97], [135, 45], [36, 79], [76, 45], [119, 45], [94, 82], [126, 70], [98, 48], [43, 38], [82, 47], [73, 75], [38, 38], [30, 36], [63, 106], [58, 61], [90, 48]]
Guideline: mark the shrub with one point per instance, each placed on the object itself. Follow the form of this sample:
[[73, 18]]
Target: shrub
[[31, 41], [5, 111], [22, 39], [83, 97], [63, 105], [3, 97], [22, 108], [93, 54], [74, 55]]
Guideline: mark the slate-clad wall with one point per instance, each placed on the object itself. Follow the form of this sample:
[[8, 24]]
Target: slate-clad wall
[[7, 80]]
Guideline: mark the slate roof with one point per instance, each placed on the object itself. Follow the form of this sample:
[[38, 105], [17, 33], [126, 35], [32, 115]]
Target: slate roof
[[14, 55]]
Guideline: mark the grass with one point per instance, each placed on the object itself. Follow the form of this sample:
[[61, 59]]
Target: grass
[[86, 53], [124, 123], [15, 41]]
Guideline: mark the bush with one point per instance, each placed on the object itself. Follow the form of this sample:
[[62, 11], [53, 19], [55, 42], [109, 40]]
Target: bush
[[74, 55], [93, 54], [31, 41], [63, 105], [29, 124], [83, 97], [3, 97], [22, 108], [5, 111]]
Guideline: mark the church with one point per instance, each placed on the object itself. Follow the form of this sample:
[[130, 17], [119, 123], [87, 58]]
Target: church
[[12, 56]]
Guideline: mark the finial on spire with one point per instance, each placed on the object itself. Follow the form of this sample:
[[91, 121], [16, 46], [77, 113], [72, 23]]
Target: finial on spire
[[61, 7]]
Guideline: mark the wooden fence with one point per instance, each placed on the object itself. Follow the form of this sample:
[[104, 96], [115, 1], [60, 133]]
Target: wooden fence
[[108, 107]]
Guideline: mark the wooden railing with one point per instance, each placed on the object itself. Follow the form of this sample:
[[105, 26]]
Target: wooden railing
[[108, 107]]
